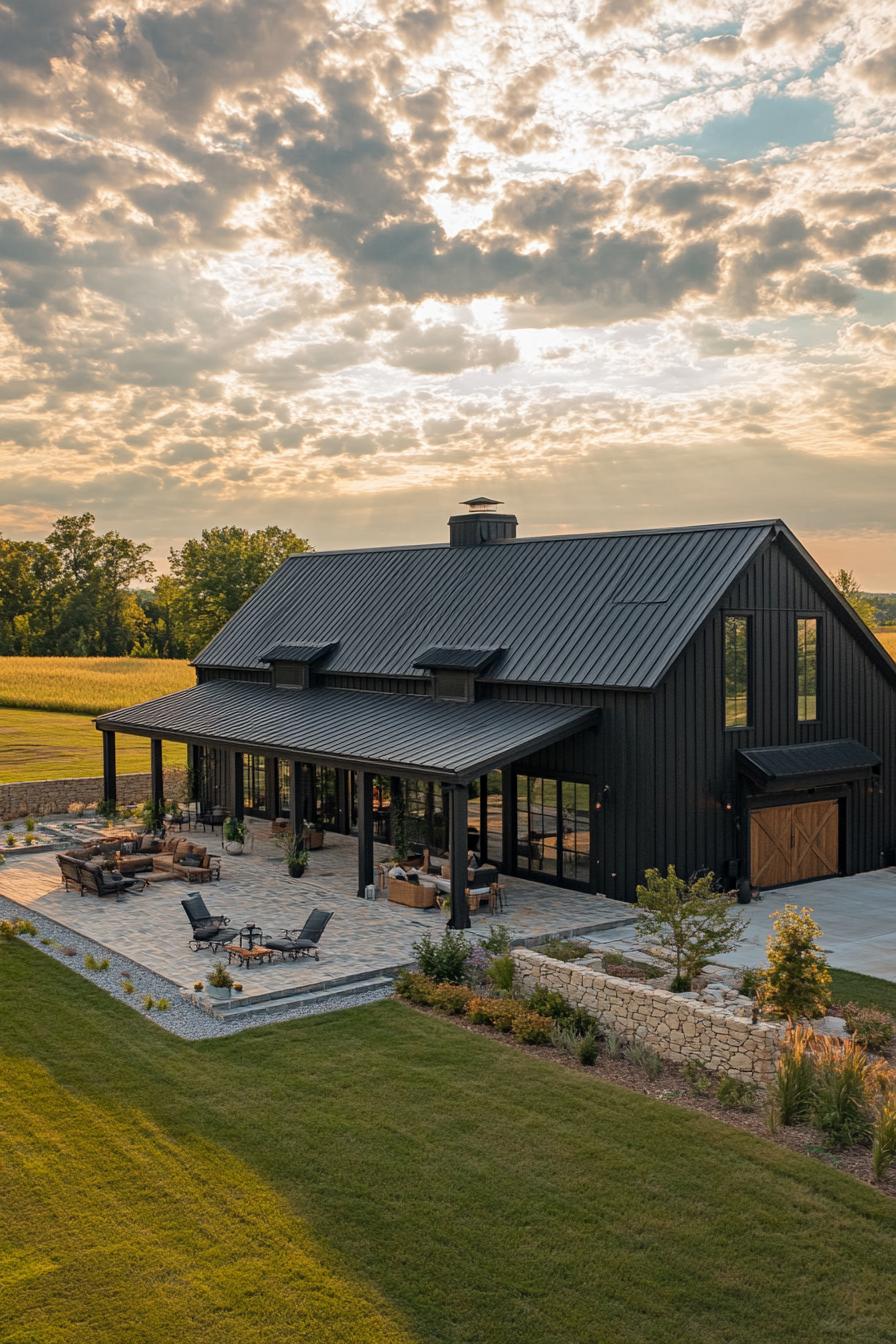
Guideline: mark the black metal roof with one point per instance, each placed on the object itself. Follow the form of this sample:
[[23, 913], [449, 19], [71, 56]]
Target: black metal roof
[[459, 660], [839, 759], [297, 653], [601, 610], [385, 733]]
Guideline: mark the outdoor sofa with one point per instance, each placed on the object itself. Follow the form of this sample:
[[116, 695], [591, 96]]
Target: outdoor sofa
[[89, 876]]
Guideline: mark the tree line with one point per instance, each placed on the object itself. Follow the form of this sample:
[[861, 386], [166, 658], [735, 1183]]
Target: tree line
[[84, 593]]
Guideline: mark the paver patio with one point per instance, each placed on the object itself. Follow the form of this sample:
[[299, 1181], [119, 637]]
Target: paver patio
[[364, 939]]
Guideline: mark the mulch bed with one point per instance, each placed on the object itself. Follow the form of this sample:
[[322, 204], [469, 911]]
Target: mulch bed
[[671, 1087]]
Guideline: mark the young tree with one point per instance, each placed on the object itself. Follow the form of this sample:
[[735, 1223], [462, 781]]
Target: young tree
[[847, 584], [797, 980], [213, 575], [691, 920]]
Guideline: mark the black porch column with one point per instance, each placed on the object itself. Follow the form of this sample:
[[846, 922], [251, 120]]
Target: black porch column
[[457, 854], [296, 797], [109, 783], [156, 777], [365, 830], [237, 804], [194, 765]]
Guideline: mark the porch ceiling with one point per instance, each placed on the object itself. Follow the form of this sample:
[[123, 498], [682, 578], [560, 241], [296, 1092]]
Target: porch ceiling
[[388, 734]]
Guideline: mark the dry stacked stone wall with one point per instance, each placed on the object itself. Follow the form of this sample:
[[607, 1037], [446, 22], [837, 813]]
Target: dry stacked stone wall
[[677, 1029], [43, 797]]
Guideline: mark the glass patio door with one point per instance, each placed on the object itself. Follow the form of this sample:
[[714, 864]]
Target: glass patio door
[[553, 830]]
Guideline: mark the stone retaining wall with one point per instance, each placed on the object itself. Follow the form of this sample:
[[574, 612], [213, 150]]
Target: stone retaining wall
[[42, 797], [677, 1029]]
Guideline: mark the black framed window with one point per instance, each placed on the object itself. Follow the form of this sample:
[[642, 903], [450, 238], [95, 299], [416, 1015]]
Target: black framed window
[[807, 669], [255, 798], [737, 671], [553, 829]]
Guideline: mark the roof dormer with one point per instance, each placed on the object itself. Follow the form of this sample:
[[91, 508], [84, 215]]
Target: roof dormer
[[292, 664]]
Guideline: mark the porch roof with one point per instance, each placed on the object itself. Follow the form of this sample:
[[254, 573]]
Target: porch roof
[[397, 734], [822, 762]]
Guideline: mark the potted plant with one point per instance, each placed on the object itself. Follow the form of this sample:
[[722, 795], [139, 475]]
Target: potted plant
[[234, 832], [294, 852], [220, 982]]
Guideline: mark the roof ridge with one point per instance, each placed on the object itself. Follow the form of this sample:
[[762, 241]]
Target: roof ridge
[[551, 536]]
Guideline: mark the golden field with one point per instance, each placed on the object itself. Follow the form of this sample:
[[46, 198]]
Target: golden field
[[89, 685]]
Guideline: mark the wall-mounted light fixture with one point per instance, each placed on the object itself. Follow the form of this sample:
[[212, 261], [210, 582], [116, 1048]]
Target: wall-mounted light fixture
[[602, 799], [727, 803]]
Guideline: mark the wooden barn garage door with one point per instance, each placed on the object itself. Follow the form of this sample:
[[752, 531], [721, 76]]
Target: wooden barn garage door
[[793, 844]]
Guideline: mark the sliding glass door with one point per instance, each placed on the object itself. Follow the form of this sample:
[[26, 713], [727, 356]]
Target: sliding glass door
[[552, 834]]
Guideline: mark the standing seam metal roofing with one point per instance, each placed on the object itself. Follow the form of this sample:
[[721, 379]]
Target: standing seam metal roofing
[[402, 732], [604, 610]]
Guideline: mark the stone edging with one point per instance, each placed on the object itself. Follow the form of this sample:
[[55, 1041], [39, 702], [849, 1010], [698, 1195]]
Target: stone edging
[[677, 1029]]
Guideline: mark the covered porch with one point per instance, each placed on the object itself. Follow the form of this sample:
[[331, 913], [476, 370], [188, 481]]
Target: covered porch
[[350, 760]]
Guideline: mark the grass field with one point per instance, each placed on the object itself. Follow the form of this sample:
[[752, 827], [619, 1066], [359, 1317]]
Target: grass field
[[867, 990], [46, 706], [888, 639], [38, 745], [89, 685], [381, 1177]]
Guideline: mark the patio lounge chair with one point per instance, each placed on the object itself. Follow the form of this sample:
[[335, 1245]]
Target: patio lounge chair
[[302, 942], [211, 931]]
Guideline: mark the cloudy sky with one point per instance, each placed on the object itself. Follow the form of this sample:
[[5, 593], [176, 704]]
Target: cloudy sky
[[620, 263]]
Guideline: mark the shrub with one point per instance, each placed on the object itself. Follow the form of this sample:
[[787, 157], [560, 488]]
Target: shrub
[[237, 987], [883, 1136], [127, 986], [698, 1077], [797, 980], [751, 981], [198, 987], [564, 1039], [587, 1051], [794, 1072], [148, 1002], [614, 1044], [477, 966], [445, 959], [30, 824], [736, 1095], [844, 1083], [15, 928], [10, 840], [91, 963], [498, 940], [500, 974], [163, 1005], [548, 1002], [871, 1027], [564, 949], [642, 1055], [451, 998], [531, 1028], [499, 1013], [414, 986], [220, 976]]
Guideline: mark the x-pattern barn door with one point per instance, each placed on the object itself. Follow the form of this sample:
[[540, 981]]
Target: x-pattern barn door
[[794, 843]]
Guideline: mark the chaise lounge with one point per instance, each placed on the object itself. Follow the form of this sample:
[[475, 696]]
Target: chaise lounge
[[209, 930], [302, 942]]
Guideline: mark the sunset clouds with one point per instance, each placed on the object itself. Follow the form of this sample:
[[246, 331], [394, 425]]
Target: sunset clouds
[[619, 263]]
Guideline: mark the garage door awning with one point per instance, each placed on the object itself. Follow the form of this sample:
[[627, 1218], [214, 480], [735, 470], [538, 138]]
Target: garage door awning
[[388, 734], [810, 763]]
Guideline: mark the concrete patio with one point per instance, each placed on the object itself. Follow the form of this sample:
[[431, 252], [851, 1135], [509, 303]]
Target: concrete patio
[[365, 939]]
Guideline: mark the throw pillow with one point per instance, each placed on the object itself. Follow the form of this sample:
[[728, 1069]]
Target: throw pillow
[[147, 843], [190, 861]]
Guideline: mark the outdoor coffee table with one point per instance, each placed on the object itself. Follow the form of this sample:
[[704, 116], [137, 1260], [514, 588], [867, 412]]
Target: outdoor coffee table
[[249, 956]]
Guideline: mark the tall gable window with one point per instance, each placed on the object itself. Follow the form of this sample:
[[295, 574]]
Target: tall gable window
[[737, 671], [806, 669]]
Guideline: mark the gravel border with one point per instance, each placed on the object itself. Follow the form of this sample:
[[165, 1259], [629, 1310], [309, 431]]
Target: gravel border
[[182, 1018]]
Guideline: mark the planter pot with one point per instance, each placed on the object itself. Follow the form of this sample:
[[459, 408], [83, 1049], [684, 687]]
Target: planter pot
[[296, 869], [220, 992], [744, 892], [233, 846]]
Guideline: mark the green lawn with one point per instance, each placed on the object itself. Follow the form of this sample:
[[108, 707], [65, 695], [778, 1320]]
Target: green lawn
[[380, 1176], [38, 744], [867, 990]]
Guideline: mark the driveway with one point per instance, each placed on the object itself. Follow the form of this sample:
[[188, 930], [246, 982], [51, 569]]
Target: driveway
[[857, 917]]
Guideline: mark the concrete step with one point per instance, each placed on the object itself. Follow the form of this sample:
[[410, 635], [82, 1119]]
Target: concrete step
[[347, 990]]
